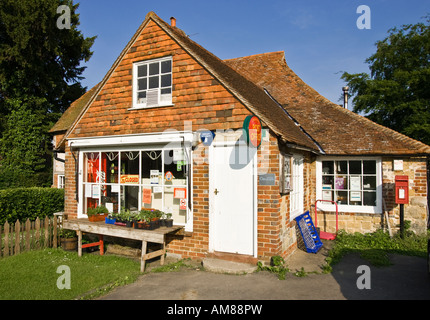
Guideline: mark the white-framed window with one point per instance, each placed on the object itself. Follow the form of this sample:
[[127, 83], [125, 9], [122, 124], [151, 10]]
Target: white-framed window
[[152, 83], [136, 178], [355, 184], [60, 181], [296, 191]]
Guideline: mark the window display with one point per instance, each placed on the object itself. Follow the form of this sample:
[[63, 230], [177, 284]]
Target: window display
[[136, 179], [349, 182]]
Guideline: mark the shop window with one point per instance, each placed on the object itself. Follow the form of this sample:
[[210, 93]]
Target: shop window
[[351, 183], [152, 83], [137, 179]]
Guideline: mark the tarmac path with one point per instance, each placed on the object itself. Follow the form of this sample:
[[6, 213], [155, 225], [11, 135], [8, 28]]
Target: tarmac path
[[406, 279]]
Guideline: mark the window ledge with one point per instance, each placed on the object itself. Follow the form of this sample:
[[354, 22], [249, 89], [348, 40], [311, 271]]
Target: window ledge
[[150, 107]]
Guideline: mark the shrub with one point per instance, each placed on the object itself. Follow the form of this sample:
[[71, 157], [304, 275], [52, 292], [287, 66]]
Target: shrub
[[23, 203]]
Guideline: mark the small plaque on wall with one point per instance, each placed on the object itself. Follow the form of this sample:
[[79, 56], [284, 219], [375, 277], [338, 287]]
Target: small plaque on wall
[[267, 179]]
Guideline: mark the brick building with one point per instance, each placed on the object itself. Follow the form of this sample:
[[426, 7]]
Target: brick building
[[164, 129]]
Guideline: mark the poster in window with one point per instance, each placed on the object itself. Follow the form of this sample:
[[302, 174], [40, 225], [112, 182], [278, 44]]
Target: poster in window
[[355, 196], [95, 190], [327, 195], [154, 176], [146, 195], [183, 204], [180, 193], [355, 183], [340, 183]]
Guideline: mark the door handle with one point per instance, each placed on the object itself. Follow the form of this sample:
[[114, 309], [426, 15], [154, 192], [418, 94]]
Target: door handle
[[216, 191]]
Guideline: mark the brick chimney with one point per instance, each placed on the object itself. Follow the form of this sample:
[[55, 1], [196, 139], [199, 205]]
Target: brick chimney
[[173, 21]]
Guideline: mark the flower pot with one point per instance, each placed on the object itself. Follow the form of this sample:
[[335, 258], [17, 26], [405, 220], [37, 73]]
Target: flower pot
[[109, 221], [168, 223], [69, 244], [97, 217], [129, 224]]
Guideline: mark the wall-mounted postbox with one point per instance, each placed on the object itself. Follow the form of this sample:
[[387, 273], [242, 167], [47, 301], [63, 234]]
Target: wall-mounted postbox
[[402, 189]]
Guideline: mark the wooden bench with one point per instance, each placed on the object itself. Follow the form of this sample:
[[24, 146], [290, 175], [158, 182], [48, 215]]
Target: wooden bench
[[102, 229]]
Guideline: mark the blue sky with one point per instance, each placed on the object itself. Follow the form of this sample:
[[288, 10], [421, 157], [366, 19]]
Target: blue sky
[[320, 38]]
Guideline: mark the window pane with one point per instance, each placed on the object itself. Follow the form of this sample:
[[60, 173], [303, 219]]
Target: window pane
[[166, 80], [110, 197], [369, 167], [173, 205], [328, 182], [166, 66], [369, 198], [342, 197], [142, 71], [130, 167], [369, 182], [110, 166], [355, 167], [130, 198], [151, 163], [341, 166], [142, 84], [175, 163], [327, 167], [153, 82], [92, 167], [141, 97], [154, 68]]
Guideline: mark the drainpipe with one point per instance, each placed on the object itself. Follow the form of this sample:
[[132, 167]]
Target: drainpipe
[[76, 173], [345, 97]]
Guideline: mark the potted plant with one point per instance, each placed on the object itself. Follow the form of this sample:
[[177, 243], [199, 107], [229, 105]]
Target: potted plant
[[98, 213], [110, 219], [167, 220], [68, 239]]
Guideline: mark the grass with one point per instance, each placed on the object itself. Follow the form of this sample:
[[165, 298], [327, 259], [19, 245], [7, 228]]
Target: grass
[[33, 275], [376, 247]]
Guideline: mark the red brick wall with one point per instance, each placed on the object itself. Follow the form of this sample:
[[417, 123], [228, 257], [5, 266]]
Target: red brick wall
[[196, 96]]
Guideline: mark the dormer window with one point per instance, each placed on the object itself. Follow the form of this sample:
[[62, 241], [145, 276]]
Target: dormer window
[[152, 83]]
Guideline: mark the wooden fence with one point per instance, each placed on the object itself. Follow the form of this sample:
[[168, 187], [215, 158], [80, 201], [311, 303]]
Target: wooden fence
[[19, 237]]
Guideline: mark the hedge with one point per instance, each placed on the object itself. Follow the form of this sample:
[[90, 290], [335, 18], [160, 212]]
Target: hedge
[[23, 203]]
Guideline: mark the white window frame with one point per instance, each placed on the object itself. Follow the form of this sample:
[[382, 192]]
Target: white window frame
[[60, 181], [326, 206], [156, 91], [141, 142], [297, 186]]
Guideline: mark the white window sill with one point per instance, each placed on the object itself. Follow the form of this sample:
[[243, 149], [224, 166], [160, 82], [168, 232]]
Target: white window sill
[[150, 107], [347, 208]]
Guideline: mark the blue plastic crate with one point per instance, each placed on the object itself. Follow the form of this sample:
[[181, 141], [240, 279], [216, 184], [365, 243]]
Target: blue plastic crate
[[309, 233]]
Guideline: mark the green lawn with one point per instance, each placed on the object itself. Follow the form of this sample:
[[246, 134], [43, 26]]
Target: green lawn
[[33, 275]]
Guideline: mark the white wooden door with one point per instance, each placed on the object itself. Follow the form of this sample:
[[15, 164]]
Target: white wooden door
[[232, 199]]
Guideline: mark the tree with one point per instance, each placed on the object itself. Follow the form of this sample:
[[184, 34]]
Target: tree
[[40, 75], [396, 93]]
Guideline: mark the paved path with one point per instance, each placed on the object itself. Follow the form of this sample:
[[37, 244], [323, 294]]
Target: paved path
[[406, 279]]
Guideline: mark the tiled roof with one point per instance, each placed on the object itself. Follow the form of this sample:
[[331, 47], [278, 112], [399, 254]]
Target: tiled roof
[[252, 96], [72, 112], [337, 130]]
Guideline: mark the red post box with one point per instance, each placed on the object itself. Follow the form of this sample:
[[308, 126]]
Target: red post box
[[402, 189]]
